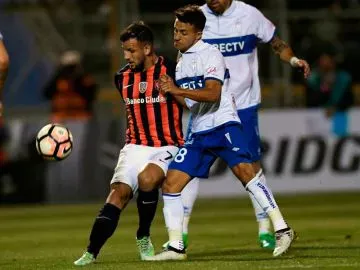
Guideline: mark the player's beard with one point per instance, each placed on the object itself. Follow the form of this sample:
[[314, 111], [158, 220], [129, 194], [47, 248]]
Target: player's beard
[[139, 67]]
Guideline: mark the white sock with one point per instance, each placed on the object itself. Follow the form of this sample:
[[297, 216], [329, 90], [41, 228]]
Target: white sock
[[264, 225], [188, 196], [261, 216], [265, 199], [174, 215], [277, 219], [186, 221]]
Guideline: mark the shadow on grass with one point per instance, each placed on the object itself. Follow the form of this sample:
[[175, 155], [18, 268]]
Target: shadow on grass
[[261, 255], [243, 255], [322, 248]]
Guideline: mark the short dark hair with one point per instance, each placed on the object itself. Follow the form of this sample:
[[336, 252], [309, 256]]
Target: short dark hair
[[138, 30], [191, 14]]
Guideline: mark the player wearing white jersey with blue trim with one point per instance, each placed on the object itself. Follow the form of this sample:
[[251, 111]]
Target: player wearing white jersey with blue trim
[[236, 28], [4, 65], [202, 86]]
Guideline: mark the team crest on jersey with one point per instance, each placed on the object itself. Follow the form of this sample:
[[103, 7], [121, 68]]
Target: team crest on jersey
[[142, 87]]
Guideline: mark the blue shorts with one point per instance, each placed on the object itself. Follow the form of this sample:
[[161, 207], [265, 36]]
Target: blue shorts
[[202, 149], [250, 123], [250, 131]]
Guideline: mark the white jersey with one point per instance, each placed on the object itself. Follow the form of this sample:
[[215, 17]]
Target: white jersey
[[200, 63], [236, 34]]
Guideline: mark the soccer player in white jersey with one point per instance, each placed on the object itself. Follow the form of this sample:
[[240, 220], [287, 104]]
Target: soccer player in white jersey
[[216, 131], [236, 28], [4, 65]]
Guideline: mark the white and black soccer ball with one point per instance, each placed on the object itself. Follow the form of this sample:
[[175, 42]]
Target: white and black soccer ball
[[54, 142]]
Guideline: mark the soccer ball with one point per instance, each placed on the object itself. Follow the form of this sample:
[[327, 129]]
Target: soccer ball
[[54, 142]]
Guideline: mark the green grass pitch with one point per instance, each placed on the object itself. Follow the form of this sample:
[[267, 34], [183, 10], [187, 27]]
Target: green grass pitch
[[222, 236]]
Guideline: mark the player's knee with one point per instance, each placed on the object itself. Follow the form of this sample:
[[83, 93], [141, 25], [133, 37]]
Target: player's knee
[[166, 187], [256, 166], [244, 172], [170, 187], [120, 195], [147, 182]]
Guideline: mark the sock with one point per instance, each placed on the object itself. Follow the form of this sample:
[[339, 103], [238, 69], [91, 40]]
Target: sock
[[265, 199], [186, 221], [104, 226], [146, 205], [265, 225], [174, 214], [261, 216], [188, 196]]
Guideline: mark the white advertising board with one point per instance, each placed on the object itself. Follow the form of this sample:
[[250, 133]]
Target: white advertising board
[[301, 154]]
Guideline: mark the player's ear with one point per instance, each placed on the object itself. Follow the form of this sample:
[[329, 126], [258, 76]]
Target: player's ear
[[147, 49], [199, 35]]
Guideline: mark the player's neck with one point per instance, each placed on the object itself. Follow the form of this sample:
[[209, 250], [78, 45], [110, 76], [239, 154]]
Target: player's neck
[[150, 61], [226, 8]]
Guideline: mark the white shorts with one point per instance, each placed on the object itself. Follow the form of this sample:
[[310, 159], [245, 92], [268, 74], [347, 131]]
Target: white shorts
[[133, 158]]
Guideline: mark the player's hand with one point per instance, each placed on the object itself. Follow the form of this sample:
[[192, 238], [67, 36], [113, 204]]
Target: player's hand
[[166, 84], [304, 66], [1, 109]]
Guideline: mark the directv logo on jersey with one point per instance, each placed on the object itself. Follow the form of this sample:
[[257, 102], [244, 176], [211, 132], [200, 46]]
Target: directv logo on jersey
[[230, 47], [191, 82], [192, 85], [235, 45]]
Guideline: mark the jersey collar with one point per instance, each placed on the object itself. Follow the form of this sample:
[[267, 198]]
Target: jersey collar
[[231, 9], [198, 46]]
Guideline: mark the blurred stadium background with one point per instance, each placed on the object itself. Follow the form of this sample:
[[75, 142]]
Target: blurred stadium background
[[306, 151]]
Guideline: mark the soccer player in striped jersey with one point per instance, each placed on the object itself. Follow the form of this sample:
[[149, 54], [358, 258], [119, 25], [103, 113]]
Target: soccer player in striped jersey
[[154, 133]]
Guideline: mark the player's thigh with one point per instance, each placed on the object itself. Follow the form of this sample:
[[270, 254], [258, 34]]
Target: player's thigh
[[235, 153], [154, 172], [132, 160], [250, 130], [193, 160], [150, 177]]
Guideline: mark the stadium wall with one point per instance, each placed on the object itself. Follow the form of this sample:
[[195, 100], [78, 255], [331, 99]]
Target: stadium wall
[[303, 152]]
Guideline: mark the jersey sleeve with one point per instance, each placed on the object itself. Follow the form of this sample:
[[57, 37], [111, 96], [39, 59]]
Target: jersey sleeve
[[119, 76], [214, 66], [1, 36], [265, 29], [118, 81]]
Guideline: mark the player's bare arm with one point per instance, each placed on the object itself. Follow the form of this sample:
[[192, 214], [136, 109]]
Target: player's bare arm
[[210, 93], [286, 54], [4, 65]]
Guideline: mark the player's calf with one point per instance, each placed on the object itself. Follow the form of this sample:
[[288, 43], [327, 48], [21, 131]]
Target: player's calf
[[106, 222]]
